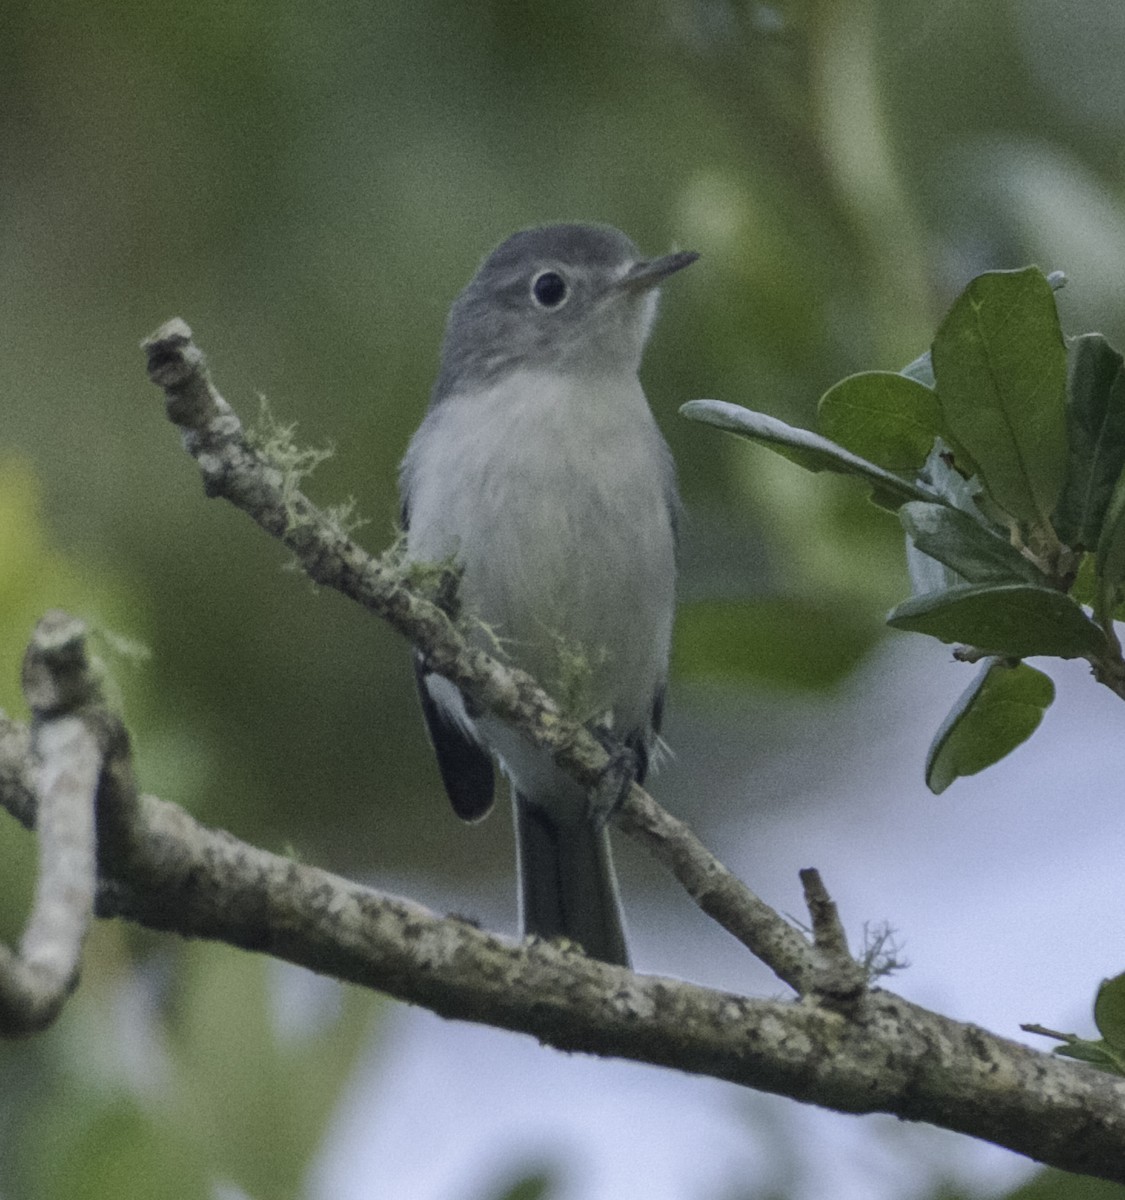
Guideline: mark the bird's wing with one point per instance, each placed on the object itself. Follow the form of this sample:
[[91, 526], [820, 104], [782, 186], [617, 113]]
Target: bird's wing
[[465, 766]]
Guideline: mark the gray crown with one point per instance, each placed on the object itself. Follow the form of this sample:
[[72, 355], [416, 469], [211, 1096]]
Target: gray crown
[[600, 324]]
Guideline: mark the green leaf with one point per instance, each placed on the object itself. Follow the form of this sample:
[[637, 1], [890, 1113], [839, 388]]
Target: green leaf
[[882, 416], [1000, 365], [997, 712], [927, 574], [1095, 416], [1098, 1054], [1109, 1011], [954, 490], [807, 449], [966, 546], [1109, 1016], [1086, 589], [1109, 562], [1014, 620]]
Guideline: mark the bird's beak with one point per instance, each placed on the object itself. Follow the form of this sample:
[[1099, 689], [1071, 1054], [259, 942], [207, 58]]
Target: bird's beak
[[645, 275]]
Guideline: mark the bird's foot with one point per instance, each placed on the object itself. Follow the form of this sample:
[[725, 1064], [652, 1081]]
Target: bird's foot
[[620, 772]]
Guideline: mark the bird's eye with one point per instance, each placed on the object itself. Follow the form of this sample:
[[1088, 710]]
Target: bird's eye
[[548, 289]]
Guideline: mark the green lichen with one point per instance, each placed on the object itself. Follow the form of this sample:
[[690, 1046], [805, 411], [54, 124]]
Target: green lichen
[[277, 444], [571, 677], [342, 519]]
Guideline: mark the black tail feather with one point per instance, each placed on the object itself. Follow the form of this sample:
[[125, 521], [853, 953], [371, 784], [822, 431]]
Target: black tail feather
[[567, 883]]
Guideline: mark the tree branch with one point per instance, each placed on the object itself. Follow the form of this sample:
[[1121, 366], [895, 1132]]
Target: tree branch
[[883, 1054], [843, 1046], [61, 763], [236, 470]]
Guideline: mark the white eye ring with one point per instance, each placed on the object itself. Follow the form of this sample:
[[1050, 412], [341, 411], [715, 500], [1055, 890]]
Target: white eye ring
[[549, 290]]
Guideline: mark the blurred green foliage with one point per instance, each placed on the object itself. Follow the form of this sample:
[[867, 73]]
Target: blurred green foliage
[[309, 186], [188, 1073], [1055, 1185]]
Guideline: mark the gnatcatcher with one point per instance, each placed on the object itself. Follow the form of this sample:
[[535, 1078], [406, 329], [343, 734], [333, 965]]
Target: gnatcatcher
[[540, 471]]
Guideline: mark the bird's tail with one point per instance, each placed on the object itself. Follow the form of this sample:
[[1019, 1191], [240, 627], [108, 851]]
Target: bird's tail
[[567, 884]]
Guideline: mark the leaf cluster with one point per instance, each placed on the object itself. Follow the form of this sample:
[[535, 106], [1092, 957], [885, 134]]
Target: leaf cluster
[[1002, 451]]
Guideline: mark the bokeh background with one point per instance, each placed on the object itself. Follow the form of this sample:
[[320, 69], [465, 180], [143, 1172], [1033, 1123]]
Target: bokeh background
[[309, 185]]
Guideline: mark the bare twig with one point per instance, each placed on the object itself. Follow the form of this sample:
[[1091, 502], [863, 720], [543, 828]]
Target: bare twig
[[842, 979], [1043, 1031]]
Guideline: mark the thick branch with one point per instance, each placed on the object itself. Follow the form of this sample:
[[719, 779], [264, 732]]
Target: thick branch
[[236, 470], [882, 1055]]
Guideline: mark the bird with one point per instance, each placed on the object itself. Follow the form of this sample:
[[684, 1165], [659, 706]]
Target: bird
[[539, 472]]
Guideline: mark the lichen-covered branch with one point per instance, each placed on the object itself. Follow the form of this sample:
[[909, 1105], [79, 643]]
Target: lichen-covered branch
[[60, 764], [879, 1053]]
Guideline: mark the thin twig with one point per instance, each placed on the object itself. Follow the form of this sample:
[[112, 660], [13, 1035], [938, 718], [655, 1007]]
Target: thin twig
[[719, 892], [842, 980]]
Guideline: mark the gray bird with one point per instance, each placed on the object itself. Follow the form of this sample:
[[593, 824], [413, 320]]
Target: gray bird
[[539, 469]]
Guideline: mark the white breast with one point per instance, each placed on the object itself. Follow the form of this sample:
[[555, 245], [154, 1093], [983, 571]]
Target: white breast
[[555, 496]]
